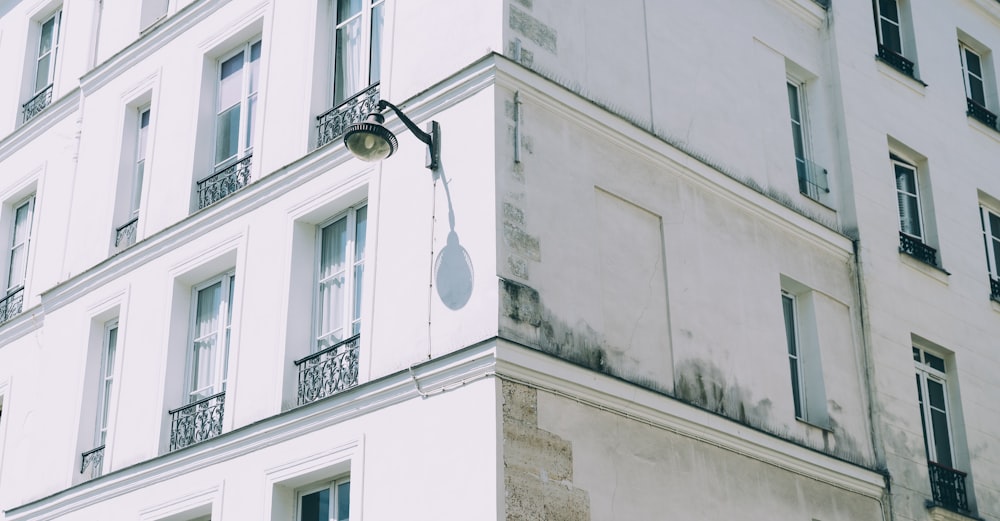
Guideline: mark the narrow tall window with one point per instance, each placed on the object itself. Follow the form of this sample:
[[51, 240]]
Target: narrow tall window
[[341, 271], [972, 72], [908, 199], [932, 397], [238, 80], [45, 65], [798, 133], [210, 334], [107, 379], [990, 222], [794, 358], [357, 57], [20, 237], [142, 138], [332, 502]]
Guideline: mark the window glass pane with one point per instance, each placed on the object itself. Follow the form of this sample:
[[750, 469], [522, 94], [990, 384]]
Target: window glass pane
[[254, 67], [935, 394], [973, 64], [316, 506], [905, 180], [887, 9], [227, 135], [46, 37], [942, 443], [935, 362], [359, 272], [890, 37], [796, 397], [137, 187], [361, 224], [788, 307], [231, 81], [109, 358], [916, 354], [976, 91], [251, 112], [923, 418], [793, 101], [333, 253], [343, 501], [349, 71], [347, 9], [378, 20], [17, 260], [206, 328], [42, 73], [909, 215]]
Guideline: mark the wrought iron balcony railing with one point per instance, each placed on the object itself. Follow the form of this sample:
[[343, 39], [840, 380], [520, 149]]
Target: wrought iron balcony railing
[[980, 113], [334, 122], [329, 371], [948, 487], [994, 289], [125, 235], [37, 104], [94, 459], [812, 179], [917, 249], [196, 421], [898, 61], [224, 182], [11, 305]]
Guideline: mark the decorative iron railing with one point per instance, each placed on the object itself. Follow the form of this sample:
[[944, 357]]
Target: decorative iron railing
[[125, 235], [224, 182], [980, 113], [812, 179], [994, 289], [37, 104], [196, 421], [948, 487], [11, 305], [329, 371], [94, 459], [334, 122], [895, 59], [917, 249]]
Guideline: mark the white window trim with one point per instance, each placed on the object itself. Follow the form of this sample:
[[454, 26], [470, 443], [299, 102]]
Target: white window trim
[[104, 391], [992, 262], [365, 14], [349, 290], [897, 161], [799, 390], [330, 485], [53, 52], [30, 201], [924, 373], [219, 377], [241, 139], [966, 73]]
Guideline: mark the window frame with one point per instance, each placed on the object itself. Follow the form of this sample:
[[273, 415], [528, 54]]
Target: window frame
[[916, 195], [106, 380], [926, 372], [28, 201], [794, 342], [365, 14], [898, 23], [137, 177], [967, 73], [244, 135], [331, 485], [350, 286], [990, 236], [223, 331], [53, 52]]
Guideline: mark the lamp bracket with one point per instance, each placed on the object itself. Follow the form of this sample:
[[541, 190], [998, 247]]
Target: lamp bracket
[[432, 139]]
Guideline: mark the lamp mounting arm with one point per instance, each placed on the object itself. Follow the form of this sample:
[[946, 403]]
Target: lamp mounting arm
[[431, 139]]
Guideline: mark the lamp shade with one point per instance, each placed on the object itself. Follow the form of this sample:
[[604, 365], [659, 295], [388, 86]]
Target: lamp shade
[[369, 140]]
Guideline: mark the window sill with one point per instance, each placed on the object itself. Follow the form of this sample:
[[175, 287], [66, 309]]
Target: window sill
[[936, 272], [983, 128], [913, 82], [940, 513]]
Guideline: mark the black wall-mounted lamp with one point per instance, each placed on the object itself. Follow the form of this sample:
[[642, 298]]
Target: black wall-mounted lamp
[[369, 140]]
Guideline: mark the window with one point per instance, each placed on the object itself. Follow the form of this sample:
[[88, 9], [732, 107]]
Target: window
[[151, 12], [107, 379], [990, 222], [331, 502], [811, 177], [974, 74], [125, 234], [794, 361], [913, 237], [947, 483], [804, 360], [44, 66], [892, 42], [238, 79], [357, 57], [341, 270], [211, 320], [17, 265]]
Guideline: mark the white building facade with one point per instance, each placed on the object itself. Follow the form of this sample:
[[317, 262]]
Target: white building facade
[[675, 260]]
